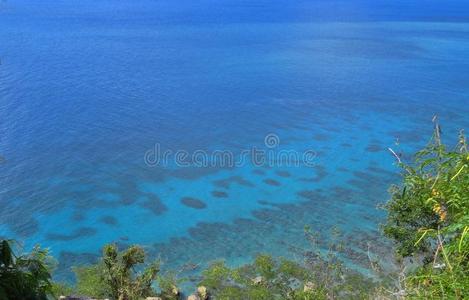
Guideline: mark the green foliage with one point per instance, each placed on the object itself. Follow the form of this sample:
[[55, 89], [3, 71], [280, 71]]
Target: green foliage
[[115, 276], [318, 277], [61, 289], [285, 280], [90, 281], [428, 217], [120, 275], [168, 286], [26, 276]]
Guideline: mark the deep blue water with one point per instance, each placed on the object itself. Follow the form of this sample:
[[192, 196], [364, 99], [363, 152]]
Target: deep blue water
[[88, 87]]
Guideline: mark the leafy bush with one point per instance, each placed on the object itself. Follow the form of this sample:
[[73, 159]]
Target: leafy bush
[[90, 281], [428, 218], [115, 276], [25, 276]]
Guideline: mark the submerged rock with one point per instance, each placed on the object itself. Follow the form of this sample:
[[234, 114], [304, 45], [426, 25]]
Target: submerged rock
[[283, 173], [193, 203], [272, 182], [219, 194]]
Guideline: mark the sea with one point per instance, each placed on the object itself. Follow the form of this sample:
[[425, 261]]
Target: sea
[[210, 130]]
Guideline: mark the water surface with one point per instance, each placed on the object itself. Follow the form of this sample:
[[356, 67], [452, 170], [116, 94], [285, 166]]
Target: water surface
[[88, 87]]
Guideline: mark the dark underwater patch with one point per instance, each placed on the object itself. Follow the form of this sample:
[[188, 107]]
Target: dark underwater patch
[[346, 145], [78, 216], [219, 194], [76, 234], [331, 129], [222, 183], [272, 182], [365, 128], [25, 227], [67, 260], [309, 194], [227, 182], [109, 220], [258, 172], [128, 200], [381, 171], [307, 179], [193, 203], [191, 173], [370, 177], [320, 137], [342, 194], [322, 152], [240, 238], [154, 205], [127, 190], [408, 136], [374, 148], [363, 184], [264, 202], [263, 215], [202, 230], [283, 173], [321, 173]]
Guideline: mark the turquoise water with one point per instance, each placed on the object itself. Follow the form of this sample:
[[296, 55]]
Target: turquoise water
[[87, 89]]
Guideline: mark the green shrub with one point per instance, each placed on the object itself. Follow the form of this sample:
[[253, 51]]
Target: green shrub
[[428, 218], [115, 276], [90, 281], [26, 276]]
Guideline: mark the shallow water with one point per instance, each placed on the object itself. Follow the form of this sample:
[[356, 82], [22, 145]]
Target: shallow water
[[87, 89]]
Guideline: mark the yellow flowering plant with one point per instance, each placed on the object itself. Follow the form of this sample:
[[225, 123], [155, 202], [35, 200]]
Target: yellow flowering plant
[[428, 218]]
